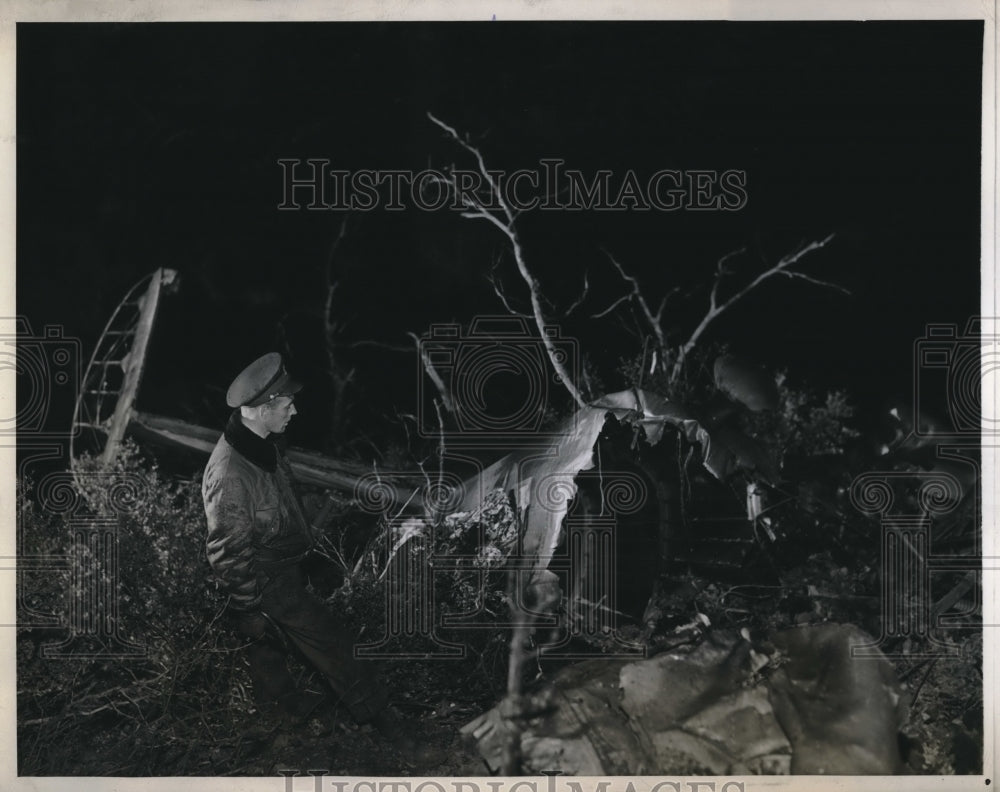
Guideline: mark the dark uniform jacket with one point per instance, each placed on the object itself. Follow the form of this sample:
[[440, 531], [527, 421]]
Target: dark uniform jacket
[[256, 526]]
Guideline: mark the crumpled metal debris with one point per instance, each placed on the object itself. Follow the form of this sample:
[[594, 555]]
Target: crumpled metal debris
[[717, 710], [542, 479]]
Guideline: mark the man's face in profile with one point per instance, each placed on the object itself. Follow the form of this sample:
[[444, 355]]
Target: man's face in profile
[[277, 413]]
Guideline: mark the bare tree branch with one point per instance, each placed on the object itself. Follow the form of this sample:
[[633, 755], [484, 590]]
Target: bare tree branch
[[583, 295], [372, 344], [340, 377], [654, 320], [817, 281], [610, 308], [498, 288], [587, 382], [513, 705], [432, 372], [504, 219], [715, 309]]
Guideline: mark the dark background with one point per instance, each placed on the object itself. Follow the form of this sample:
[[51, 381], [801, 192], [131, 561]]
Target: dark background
[[141, 146]]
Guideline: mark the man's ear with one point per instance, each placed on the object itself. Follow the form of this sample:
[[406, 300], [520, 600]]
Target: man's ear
[[250, 412]]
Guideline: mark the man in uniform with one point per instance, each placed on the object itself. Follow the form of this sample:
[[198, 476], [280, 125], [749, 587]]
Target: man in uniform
[[257, 535]]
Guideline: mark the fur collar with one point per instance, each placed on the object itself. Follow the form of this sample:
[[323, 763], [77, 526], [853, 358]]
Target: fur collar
[[261, 451]]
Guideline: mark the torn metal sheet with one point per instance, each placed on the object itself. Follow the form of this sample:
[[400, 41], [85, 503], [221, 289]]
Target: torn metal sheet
[[542, 480]]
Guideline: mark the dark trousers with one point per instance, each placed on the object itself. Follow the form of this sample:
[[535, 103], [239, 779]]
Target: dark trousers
[[312, 629]]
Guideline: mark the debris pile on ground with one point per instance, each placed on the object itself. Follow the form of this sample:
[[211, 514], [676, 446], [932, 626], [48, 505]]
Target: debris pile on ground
[[797, 702]]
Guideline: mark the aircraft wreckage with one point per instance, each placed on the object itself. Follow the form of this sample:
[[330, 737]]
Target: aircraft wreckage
[[542, 480], [615, 461]]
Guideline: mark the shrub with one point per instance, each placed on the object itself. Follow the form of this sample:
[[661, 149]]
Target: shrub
[[141, 665]]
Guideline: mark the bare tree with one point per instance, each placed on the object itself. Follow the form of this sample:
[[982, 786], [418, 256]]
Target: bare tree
[[715, 308], [653, 319], [672, 359], [497, 211], [446, 398], [492, 206], [340, 375]]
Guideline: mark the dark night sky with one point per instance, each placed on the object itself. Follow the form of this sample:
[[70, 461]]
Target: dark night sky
[[156, 145]]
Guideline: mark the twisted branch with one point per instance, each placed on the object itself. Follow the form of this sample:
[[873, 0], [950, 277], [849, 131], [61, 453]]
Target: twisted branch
[[504, 220], [715, 309]]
